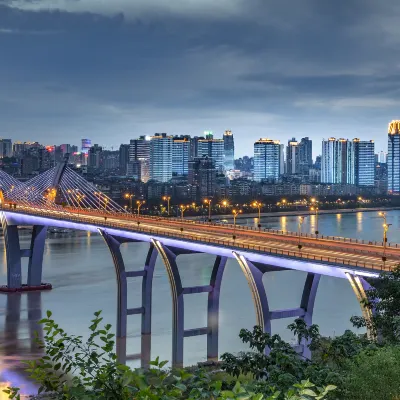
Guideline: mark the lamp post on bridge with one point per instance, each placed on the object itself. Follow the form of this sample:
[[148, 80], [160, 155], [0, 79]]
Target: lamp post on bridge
[[209, 202], [235, 214], [301, 220], [385, 231], [225, 204], [168, 199], [130, 196], [258, 205], [139, 204]]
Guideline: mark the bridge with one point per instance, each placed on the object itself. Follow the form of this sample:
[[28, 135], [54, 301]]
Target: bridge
[[61, 198]]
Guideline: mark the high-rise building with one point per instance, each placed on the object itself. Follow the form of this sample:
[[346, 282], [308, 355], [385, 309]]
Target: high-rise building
[[362, 153], [203, 176], [267, 160], [229, 151], [180, 155], [139, 150], [123, 158], [19, 148], [382, 157], [6, 148], [334, 161], [95, 157], [110, 160], [213, 148], [68, 148], [292, 157], [348, 162], [161, 157], [86, 145], [194, 146], [393, 157], [305, 155], [282, 159]]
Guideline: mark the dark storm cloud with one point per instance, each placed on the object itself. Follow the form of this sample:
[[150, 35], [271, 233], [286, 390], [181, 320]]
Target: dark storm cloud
[[114, 70]]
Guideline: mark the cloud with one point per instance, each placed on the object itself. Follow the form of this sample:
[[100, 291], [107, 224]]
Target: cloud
[[345, 103], [118, 69], [139, 8]]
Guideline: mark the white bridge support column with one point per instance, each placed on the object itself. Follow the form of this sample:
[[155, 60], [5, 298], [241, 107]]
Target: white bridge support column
[[14, 254], [178, 291], [123, 311], [359, 286], [254, 273]]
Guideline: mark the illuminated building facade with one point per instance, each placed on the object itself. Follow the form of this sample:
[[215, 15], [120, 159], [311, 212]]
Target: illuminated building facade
[[393, 157], [267, 160], [229, 151], [180, 155], [161, 157], [213, 148]]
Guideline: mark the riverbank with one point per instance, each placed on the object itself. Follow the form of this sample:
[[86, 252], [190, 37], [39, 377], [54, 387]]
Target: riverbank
[[296, 213]]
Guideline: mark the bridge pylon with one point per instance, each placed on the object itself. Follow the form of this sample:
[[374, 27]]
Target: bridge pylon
[[146, 273], [14, 255], [254, 273], [169, 256]]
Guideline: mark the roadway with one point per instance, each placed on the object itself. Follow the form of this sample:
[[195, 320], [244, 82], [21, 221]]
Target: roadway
[[362, 255]]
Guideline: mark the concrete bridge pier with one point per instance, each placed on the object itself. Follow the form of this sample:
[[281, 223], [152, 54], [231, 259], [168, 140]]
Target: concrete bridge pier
[[360, 286], [254, 273], [169, 256], [114, 244], [14, 255]]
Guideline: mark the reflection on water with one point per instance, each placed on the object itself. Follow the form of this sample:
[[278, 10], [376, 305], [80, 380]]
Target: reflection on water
[[359, 222], [283, 224], [17, 338], [81, 270]]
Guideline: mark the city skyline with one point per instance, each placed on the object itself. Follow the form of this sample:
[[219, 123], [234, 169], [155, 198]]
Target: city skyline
[[118, 70]]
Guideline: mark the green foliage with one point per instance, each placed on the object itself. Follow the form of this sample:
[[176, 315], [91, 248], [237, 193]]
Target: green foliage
[[337, 351], [374, 374], [281, 367], [384, 298], [96, 374]]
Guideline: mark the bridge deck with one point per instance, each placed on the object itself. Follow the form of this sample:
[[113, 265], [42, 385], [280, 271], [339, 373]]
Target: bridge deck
[[364, 256]]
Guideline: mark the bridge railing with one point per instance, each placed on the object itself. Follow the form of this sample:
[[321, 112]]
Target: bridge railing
[[233, 244], [277, 232]]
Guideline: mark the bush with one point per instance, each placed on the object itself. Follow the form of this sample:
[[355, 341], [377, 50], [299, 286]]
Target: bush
[[282, 367], [374, 375], [96, 374]]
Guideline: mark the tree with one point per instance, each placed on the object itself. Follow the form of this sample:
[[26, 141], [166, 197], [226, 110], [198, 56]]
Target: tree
[[384, 303]]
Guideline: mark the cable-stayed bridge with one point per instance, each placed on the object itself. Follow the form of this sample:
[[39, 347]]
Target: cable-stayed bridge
[[61, 198]]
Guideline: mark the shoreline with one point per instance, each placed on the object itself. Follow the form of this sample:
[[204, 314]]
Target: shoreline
[[296, 213]]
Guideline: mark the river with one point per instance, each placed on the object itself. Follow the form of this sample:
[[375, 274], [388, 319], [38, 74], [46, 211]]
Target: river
[[80, 268]]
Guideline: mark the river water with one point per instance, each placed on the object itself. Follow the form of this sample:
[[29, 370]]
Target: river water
[[80, 268]]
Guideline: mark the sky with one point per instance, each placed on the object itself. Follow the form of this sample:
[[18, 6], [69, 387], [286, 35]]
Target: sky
[[111, 70]]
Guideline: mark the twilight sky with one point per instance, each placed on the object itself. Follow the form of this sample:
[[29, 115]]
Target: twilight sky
[[111, 70]]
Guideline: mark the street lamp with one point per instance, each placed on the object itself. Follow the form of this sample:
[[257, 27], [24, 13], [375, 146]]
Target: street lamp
[[385, 231], [258, 205], [225, 204], [301, 220], [129, 196], [315, 208], [208, 201], [168, 198], [183, 209], [235, 214], [139, 204]]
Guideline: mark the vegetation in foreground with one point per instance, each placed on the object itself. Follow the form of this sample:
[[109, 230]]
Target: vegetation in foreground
[[348, 367]]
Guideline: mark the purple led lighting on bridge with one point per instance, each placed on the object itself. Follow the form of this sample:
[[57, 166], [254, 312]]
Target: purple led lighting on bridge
[[287, 263]]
